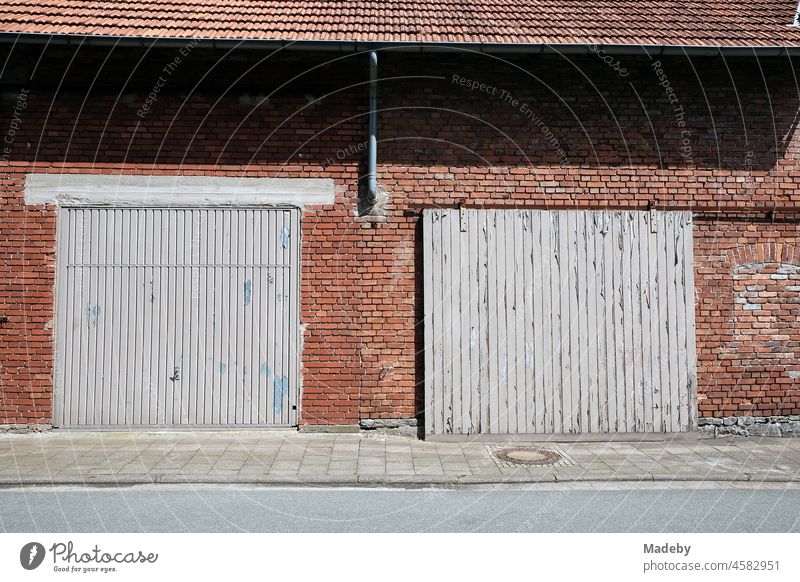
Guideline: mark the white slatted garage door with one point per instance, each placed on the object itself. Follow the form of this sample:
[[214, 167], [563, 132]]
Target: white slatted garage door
[[177, 317], [558, 322]]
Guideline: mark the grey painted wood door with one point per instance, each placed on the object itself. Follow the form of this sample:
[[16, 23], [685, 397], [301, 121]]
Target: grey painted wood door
[[558, 322], [177, 317]]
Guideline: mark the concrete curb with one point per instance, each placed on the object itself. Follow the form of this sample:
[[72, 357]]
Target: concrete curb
[[388, 481]]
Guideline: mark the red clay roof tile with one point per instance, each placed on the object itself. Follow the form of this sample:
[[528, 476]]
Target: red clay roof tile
[[657, 22]]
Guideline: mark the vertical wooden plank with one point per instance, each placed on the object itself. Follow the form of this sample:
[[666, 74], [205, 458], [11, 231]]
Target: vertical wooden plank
[[583, 290], [519, 348], [453, 302], [553, 317], [540, 321], [682, 412], [663, 323], [439, 323], [466, 289], [464, 388], [615, 373], [474, 292], [672, 318], [691, 355], [508, 348], [626, 320], [646, 299], [618, 322], [655, 324], [566, 296], [443, 323], [637, 421], [484, 342], [543, 319], [493, 312], [427, 271], [530, 369], [590, 329], [501, 348], [446, 408], [570, 340], [600, 234]]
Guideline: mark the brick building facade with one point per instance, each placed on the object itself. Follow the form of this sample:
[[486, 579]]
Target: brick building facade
[[715, 135]]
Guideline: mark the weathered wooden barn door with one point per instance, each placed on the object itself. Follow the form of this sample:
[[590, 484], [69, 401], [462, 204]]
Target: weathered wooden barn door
[[558, 322], [177, 317]]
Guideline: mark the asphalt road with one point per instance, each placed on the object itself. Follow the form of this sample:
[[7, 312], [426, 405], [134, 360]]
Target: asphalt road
[[229, 509]]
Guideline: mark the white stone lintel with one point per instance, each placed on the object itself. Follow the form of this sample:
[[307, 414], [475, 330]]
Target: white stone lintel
[[139, 190]]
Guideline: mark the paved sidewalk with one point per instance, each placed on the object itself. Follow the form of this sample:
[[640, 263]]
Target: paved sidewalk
[[291, 458]]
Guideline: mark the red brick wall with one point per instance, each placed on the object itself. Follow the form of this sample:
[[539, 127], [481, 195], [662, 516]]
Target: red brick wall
[[748, 313], [609, 141]]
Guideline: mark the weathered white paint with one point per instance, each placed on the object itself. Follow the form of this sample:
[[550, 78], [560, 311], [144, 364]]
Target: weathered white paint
[[177, 317], [124, 190], [558, 322]]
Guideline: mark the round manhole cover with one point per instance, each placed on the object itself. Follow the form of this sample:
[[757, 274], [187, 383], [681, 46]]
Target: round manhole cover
[[527, 456]]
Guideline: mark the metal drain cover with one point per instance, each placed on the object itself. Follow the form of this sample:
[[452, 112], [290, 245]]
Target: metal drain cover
[[527, 456]]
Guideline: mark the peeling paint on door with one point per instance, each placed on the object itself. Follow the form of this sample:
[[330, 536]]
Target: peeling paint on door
[[585, 322]]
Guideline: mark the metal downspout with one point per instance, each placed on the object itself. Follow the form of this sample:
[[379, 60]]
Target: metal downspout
[[372, 146]]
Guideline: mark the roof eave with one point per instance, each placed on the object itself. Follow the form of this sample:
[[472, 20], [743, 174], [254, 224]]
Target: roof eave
[[651, 50]]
